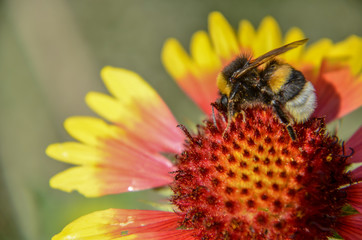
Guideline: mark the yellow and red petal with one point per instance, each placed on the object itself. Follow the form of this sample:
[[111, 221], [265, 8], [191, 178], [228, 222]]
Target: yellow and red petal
[[119, 224], [349, 227], [95, 181], [119, 157], [111, 167], [112, 160], [176, 60], [338, 92], [347, 52], [339, 81], [195, 77], [316, 52], [103, 144], [138, 110]]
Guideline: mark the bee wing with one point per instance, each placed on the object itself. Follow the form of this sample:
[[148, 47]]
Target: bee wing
[[268, 56]]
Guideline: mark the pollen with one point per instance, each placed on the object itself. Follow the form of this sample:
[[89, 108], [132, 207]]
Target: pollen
[[253, 182]]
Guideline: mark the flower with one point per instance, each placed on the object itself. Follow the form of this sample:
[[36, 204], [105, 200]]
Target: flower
[[251, 182]]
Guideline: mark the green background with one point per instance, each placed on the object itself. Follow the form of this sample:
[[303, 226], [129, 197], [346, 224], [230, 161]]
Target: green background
[[51, 53]]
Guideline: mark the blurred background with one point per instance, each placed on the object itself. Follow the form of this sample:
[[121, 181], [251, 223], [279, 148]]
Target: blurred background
[[51, 53]]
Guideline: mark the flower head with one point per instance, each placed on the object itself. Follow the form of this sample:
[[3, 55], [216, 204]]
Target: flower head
[[255, 182], [250, 181]]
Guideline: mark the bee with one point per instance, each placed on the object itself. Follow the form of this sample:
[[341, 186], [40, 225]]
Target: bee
[[278, 85]]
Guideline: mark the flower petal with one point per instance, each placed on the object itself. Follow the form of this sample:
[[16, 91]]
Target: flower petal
[[204, 89], [315, 53], [355, 142], [109, 108], [354, 196], [98, 181], [203, 53], [196, 78], [76, 153], [268, 36], [338, 92], [117, 224], [222, 36], [294, 34], [246, 34], [176, 61], [349, 227], [348, 51], [91, 130], [112, 163], [137, 109]]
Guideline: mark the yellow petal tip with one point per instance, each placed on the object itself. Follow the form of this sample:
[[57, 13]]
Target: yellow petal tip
[[268, 36], [105, 105], [223, 36], [246, 34], [91, 130], [81, 178], [106, 69], [175, 59], [50, 150], [216, 16], [203, 53]]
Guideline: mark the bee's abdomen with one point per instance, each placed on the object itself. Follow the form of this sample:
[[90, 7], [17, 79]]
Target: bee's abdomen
[[303, 104]]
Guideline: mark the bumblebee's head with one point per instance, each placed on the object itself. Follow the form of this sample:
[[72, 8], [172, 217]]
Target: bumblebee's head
[[228, 89], [225, 82]]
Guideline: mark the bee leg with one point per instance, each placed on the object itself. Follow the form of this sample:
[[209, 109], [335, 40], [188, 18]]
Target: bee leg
[[230, 116], [244, 115], [291, 132], [213, 117], [228, 124], [284, 119]]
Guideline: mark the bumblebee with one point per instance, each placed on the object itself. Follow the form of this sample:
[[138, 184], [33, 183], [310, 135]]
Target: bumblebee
[[278, 85]]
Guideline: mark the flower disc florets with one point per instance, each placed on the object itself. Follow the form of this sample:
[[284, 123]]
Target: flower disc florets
[[254, 182]]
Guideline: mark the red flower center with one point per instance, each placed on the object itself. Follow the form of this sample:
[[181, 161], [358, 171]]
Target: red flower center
[[254, 182]]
